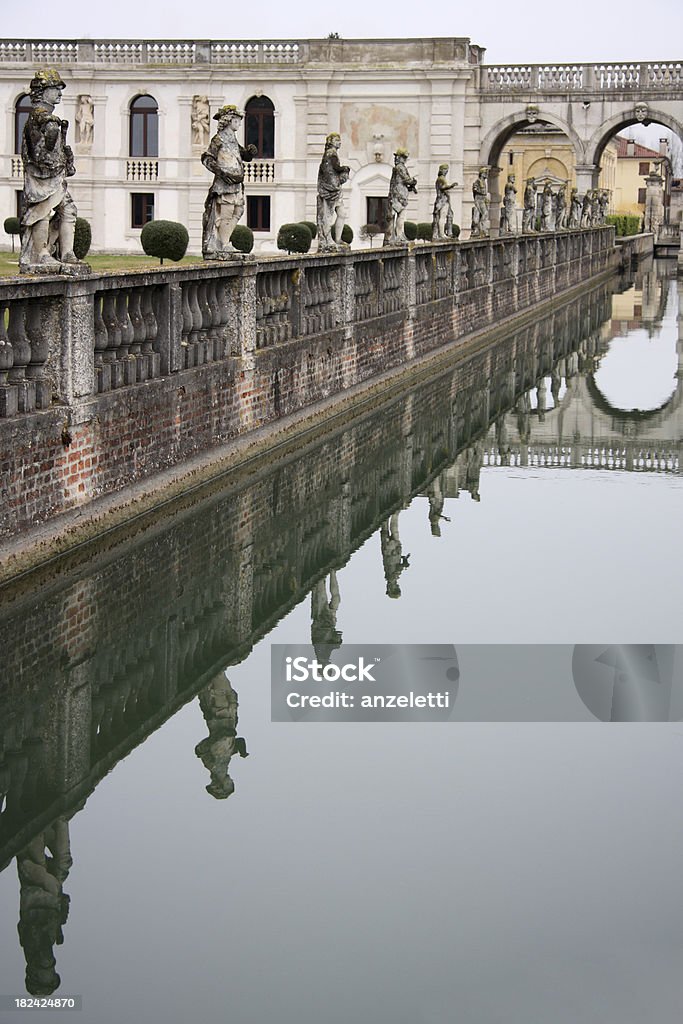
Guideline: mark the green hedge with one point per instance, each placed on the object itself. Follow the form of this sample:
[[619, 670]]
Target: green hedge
[[242, 238], [82, 238], [625, 223], [347, 234], [313, 228], [294, 238], [410, 230], [165, 239], [424, 231]]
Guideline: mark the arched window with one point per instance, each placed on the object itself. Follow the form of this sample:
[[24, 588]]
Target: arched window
[[144, 127], [260, 126], [21, 112]]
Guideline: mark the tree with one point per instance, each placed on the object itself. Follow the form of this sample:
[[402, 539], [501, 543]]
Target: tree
[[165, 239]]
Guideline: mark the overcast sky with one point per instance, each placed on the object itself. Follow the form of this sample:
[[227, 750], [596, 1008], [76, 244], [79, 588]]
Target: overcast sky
[[581, 30]]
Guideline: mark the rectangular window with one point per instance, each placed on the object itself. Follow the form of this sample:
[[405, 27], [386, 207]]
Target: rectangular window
[[644, 167], [20, 204], [142, 209], [258, 213], [641, 196], [511, 158], [378, 211]]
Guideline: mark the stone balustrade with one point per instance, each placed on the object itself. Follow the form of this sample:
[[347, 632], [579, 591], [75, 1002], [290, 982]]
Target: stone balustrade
[[63, 340], [601, 78]]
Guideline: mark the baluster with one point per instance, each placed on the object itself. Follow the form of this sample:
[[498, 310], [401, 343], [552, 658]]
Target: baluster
[[196, 336], [113, 329], [214, 313], [127, 336], [206, 337], [36, 370], [8, 393], [186, 343], [102, 368], [139, 332], [151, 332], [16, 332]]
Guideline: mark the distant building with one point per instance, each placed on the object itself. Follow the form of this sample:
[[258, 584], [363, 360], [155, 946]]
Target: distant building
[[634, 164]]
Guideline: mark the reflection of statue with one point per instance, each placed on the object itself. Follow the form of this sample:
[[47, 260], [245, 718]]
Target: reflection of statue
[[43, 907], [475, 459], [325, 636], [575, 209], [199, 119], [436, 502], [508, 216], [561, 208], [331, 212], [400, 185], [442, 217], [392, 557], [480, 210], [529, 215], [218, 702], [85, 121], [547, 208], [49, 216], [225, 202]]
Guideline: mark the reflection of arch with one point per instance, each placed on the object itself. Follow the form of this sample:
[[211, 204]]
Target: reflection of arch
[[501, 132], [630, 415], [144, 127], [260, 126], [609, 128], [22, 109]]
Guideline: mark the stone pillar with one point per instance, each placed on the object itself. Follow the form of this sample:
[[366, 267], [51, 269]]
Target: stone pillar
[[77, 341], [586, 177], [654, 203]]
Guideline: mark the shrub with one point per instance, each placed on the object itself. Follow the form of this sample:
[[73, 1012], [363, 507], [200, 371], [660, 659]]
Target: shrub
[[165, 239], [370, 231], [294, 238], [313, 228], [82, 238], [456, 231], [347, 234], [410, 230], [12, 227], [626, 224], [242, 238], [424, 231]]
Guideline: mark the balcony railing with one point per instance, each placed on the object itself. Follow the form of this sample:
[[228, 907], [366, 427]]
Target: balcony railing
[[142, 170], [260, 171]]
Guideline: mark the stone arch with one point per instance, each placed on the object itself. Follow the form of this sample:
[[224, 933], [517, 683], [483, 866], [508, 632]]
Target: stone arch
[[609, 128], [497, 136]]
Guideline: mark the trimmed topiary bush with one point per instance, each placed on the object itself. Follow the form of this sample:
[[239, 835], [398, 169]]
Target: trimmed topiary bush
[[294, 238], [242, 238], [456, 231], [313, 228], [424, 231], [626, 224], [12, 228], [165, 239], [410, 230], [82, 238], [347, 234]]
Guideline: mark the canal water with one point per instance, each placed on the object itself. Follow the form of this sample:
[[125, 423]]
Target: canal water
[[168, 853]]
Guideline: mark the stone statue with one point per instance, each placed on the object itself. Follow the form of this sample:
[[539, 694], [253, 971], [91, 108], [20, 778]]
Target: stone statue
[[603, 206], [480, 210], [331, 213], [641, 111], [508, 213], [218, 702], [586, 209], [49, 217], [575, 207], [225, 201], [547, 208], [529, 215], [85, 121], [400, 186], [392, 555], [199, 119], [595, 207], [442, 217], [561, 208]]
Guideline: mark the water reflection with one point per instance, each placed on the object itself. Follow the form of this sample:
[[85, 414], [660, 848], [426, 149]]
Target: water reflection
[[99, 660]]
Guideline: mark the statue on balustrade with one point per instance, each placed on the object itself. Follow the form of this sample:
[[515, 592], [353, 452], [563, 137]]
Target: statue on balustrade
[[529, 215], [547, 202], [442, 216], [49, 213], [400, 187], [480, 211], [575, 207], [331, 212], [603, 206], [218, 702], [586, 209], [508, 214], [561, 208], [225, 201], [595, 207], [325, 637]]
